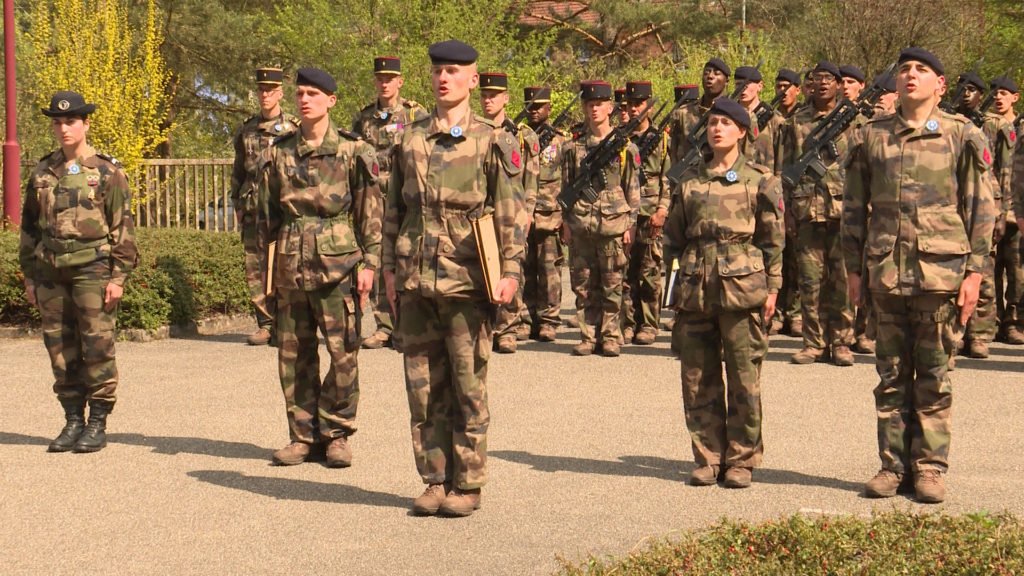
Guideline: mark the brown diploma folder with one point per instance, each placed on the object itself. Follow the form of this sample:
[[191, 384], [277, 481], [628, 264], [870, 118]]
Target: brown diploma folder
[[490, 253]]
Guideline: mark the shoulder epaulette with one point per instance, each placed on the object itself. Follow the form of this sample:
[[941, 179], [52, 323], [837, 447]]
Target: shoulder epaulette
[[487, 121], [759, 167], [348, 134], [284, 138], [109, 158], [411, 104]]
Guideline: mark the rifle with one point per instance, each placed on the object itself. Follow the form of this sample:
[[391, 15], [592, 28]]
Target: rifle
[[592, 165], [950, 105], [550, 130], [822, 138], [763, 112], [868, 98], [651, 137]]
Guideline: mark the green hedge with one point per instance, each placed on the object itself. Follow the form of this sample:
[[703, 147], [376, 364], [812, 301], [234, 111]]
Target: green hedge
[[183, 276]]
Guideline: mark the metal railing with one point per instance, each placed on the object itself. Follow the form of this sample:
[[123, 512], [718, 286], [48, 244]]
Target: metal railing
[[184, 193]]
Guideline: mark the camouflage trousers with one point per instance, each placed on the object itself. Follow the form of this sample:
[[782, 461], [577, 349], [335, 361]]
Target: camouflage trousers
[[318, 410], [789, 296], [256, 270], [984, 322], [383, 316], [596, 266], [825, 303], [78, 333], [446, 343], [542, 291], [916, 337], [510, 316], [1009, 277], [866, 325], [723, 418], [641, 292]]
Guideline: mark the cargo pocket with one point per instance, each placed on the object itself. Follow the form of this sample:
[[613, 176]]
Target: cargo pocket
[[335, 245], [614, 217], [942, 248], [800, 204], [690, 283], [879, 264], [352, 339], [744, 281]]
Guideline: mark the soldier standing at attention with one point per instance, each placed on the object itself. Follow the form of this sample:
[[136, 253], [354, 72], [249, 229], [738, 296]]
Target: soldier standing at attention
[[381, 124], [787, 81], [759, 147], [788, 318], [543, 268], [324, 210], [714, 79], [726, 229], [252, 140], [620, 105], [917, 220], [450, 169], [887, 101], [1008, 256], [853, 81], [599, 233], [77, 249], [813, 210]]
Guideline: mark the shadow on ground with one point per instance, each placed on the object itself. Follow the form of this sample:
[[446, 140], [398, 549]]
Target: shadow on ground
[[15, 439], [300, 490], [186, 445]]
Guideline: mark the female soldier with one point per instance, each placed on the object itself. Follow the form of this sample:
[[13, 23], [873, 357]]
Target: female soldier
[[77, 249], [726, 229]]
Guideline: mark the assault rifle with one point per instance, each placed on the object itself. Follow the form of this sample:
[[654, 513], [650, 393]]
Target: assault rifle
[[868, 98], [763, 112], [593, 164], [822, 138], [549, 130], [651, 137]]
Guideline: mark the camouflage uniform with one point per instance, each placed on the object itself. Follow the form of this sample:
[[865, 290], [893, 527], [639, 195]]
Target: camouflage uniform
[[324, 209], [77, 236], [683, 121], [597, 257], [251, 142], [382, 128], [816, 208], [726, 229], [1014, 294], [759, 145], [542, 290], [789, 294], [439, 184], [918, 215]]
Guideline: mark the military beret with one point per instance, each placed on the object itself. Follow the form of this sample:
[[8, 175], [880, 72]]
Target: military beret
[[494, 81], [720, 65], [826, 66], [67, 103], [452, 52], [748, 73], [787, 75], [273, 76], [596, 90], [537, 94], [639, 90], [1005, 83], [973, 79], [620, 94], [886, 82], [387, 65], [733, 110], [851, 71], [316, 78], [685, 92], [923, 56]]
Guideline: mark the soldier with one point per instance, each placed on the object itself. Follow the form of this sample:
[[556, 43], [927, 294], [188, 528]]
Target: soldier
[[787, 81], [759, 147], [921, 176], [813, 210], [1008, 256], [887, 101], [788, 312], [726, 229], [510, 325], [544, 260], [252, 140], [714, 79], [381, 123], [642, 306], [77, 249], [807, 88], [324, 211], [853, 81], [620, 105], [599, 233], [450, 169]]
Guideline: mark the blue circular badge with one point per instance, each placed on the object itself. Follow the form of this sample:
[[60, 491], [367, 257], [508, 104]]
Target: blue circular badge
[[456, 131], [731, 176], [277, 127], [382, 115], [932, 125], [74, 169]]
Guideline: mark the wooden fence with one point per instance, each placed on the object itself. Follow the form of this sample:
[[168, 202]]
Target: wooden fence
[[184, 193]]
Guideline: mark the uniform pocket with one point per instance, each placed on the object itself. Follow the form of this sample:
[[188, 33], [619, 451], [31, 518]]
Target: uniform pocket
[[800, 204], [942, 248], [880, 266], [744, 281], [352, 339], [690, 283]]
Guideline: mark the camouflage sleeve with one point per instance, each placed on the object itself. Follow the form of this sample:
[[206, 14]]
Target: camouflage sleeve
[[238, 170], [977, 202], [786, 153], [270, 191], [631, 182], [856, 196], [369, 209], [1003, 165], [531, 171], [664, 189], [676, 135], [124, 251], [769, 229], [674, 232], [1017, 182], [394, 211], [504, 182], [31, 235]]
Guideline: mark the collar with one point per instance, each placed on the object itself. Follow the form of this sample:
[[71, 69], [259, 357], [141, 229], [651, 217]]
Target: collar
[[88, 159], [328, 147], [436, 130], [902, 129], [707, 176]]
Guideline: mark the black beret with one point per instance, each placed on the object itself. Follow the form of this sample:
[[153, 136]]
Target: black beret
[[851, 71], [973, 79], [923, 56], [720, 65], [596, 90], [639, 90], [452, 52], [387, 65], [317, 78], [787, 75], [886, 82], [67, 103], [620, 94], [826, 66], [748, 73], [733, 110], [685, 92], [273, 76], [494, 81], [537, 94], [1004, 82]]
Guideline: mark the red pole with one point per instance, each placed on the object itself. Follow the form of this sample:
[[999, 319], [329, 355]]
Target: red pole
[[12, 152]]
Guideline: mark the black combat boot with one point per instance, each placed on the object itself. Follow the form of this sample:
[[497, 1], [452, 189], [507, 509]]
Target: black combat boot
[[94, 438], [74, 413]]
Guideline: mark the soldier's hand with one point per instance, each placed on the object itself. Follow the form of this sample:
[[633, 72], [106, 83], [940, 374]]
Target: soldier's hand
[[506, 290], [30, 292], [999, 229], [768, 311], [628, 235], [658, 219], [389, 289], [853, 288], [967, 299], [364, 283], [112, 296]]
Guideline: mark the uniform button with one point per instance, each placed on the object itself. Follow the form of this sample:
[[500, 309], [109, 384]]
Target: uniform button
[[447, 248]]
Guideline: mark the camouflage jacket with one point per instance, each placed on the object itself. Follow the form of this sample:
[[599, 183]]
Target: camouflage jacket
[[324, 209], [726, 229], [618, 203], [440, 183], [683, 121], [1002, 140], [547, 215], [814, 200], [529, 148], [77, 216], [382, 127], [251, 142], [654, 193], [759, 146], [918, 210]]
